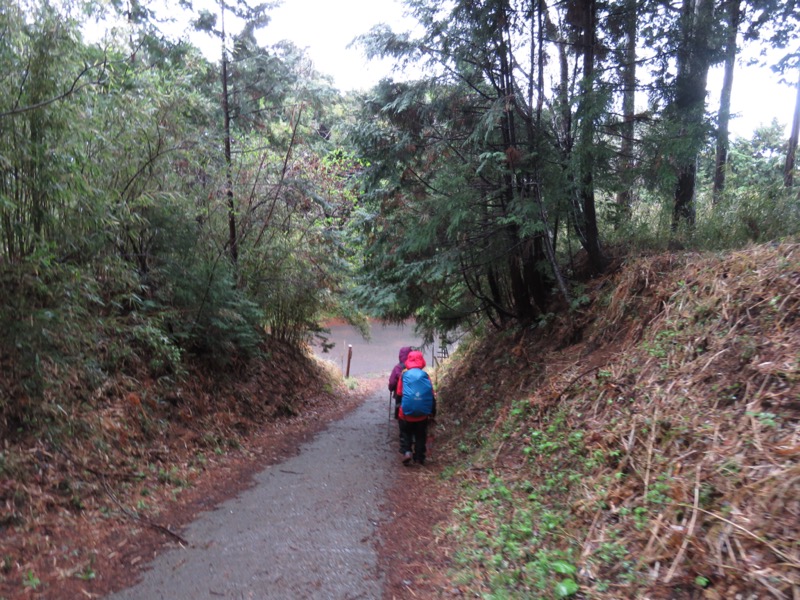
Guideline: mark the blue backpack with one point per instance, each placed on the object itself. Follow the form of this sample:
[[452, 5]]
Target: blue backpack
[[417, 393]]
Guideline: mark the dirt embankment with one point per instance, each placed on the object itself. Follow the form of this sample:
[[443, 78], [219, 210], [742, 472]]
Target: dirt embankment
[[646, 447], [85, 501]]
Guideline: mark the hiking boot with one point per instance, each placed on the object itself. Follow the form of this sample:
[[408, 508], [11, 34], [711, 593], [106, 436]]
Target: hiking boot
[[407, 458]]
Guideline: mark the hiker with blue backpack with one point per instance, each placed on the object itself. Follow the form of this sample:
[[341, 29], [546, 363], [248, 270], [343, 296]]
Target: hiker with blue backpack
[[417, 407]]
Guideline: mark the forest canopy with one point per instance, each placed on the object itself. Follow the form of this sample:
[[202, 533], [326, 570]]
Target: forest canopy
[[156, 204], [546, 135]]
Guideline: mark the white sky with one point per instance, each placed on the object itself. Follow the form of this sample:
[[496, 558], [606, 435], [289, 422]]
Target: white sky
[[326, 27], [757, 98]]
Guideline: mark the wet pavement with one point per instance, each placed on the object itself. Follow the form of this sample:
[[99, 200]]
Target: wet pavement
[[375, 357], [308, 527], [306, 530]]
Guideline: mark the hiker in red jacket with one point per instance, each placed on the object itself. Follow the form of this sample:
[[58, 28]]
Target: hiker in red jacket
[[417, 406]]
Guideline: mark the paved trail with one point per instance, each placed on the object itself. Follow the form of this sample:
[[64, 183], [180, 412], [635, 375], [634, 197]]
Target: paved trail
[[306, 530]]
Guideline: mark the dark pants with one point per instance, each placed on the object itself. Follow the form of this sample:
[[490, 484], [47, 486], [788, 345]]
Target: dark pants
[[413, 435], [397, 418]]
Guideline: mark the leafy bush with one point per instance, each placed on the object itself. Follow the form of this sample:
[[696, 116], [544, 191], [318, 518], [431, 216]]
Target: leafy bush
[[750, 215], [208, 314]]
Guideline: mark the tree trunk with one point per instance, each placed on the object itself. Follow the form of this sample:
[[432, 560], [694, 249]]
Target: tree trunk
[[589, 220], [684, 196], [720, 165], [791, 152], [690, 102], [540, 20], [624, 196], [521, 264], [226, 116], [543, 243]]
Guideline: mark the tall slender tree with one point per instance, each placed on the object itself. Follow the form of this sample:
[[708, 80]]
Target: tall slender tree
[[233, 244], [627, 133], [588, 231], [253, 17], [694, 58], [733, 18], [791, 150]]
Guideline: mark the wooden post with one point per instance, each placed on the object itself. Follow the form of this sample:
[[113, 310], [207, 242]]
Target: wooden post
[[349, 356]]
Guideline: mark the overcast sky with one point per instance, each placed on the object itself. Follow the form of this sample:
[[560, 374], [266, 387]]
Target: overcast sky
[[326, 27]]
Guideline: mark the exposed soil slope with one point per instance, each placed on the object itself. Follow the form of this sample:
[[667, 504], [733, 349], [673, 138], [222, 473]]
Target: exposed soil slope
[[647, 448]]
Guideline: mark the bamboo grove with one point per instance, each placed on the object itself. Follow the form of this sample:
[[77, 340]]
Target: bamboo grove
[[143, 218]]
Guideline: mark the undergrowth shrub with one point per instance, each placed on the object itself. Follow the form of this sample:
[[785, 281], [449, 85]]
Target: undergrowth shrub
[[294, 289], [206, 313], [749, 215], [163, 355], [190, 298], [745, 215], [45, 327], [66, 328]]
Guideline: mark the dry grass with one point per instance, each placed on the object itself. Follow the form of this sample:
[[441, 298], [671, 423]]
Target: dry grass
[[687, 384]]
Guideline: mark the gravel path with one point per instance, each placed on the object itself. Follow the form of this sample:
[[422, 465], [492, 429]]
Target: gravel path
[[306, 530]]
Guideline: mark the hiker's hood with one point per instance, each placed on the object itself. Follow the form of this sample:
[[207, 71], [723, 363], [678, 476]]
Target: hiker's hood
[[404, 353], [415, 360]]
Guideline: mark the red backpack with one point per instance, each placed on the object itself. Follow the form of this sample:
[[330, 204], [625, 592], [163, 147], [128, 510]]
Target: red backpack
[[399, 391]]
